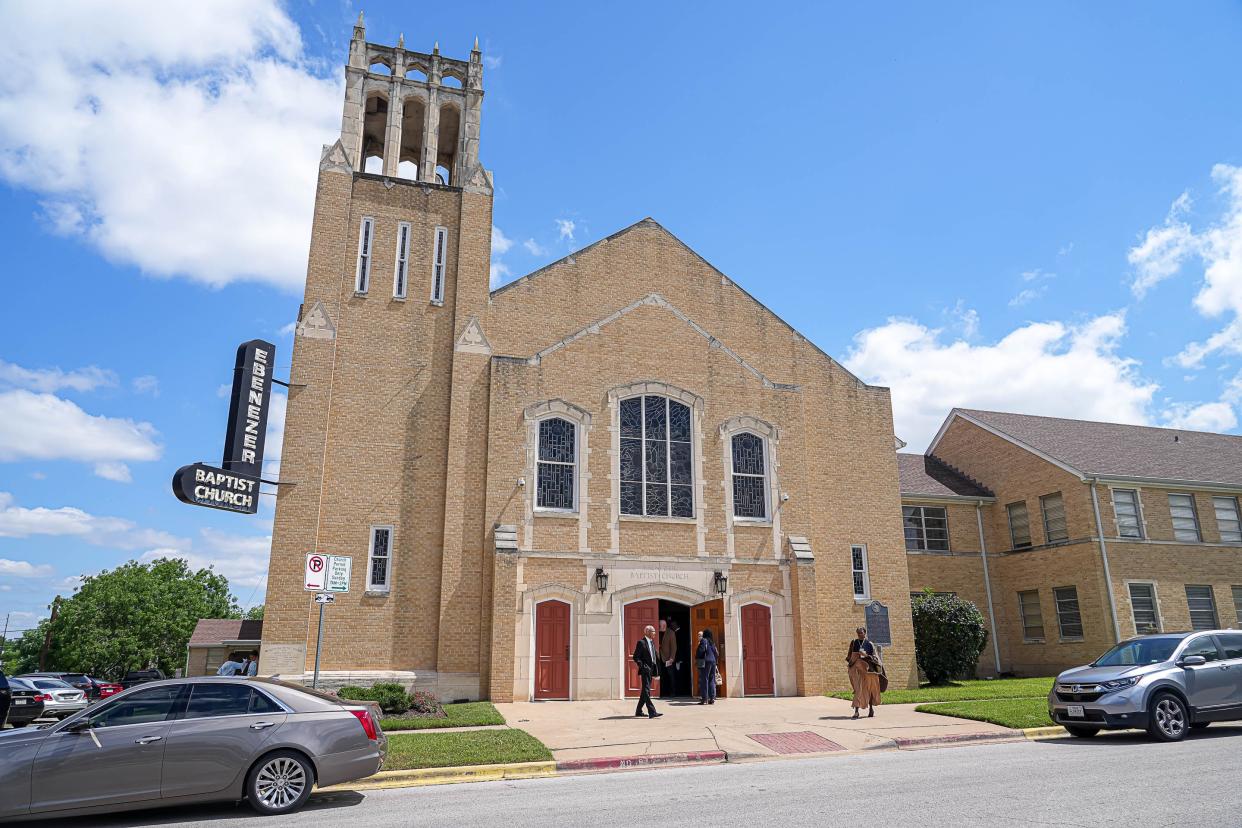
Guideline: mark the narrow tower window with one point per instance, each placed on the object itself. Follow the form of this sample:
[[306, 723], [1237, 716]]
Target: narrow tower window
[[362, 279], [440, 251], [403, 260], [379, 556], [750, 498], [557, 462]]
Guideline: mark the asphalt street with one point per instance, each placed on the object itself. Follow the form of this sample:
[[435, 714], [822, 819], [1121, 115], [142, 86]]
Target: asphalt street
[[1113, 779]]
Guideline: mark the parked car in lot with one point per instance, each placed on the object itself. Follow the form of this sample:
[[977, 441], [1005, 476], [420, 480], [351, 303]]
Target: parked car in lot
[[59, 699], [107, 689], [1168, 683], [190, 740], [85, 683], [6, 698], [135, 677], [25, 704]]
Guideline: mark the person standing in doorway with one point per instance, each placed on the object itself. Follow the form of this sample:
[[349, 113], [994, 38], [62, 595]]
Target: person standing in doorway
[[647, 657], [865, 671], [705, 658], [229, 667], [252, 664], [668, 660]]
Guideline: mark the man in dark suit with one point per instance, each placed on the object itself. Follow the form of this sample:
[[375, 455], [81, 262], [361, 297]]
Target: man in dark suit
[[647, 657]]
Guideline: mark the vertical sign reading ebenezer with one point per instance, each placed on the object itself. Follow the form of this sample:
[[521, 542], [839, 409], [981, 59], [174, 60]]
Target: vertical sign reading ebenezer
[[252, 394]]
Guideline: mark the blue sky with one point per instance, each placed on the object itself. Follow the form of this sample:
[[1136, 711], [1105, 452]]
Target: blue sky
[[1030, 207]]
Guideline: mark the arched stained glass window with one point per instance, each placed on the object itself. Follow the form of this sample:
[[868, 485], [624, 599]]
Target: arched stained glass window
[[557, 462], [657, 473], [749, 476]]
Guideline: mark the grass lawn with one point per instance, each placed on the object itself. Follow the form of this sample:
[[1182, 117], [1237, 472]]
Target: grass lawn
[[974, 689], [472, 747], [468, 714], [1015, 713]]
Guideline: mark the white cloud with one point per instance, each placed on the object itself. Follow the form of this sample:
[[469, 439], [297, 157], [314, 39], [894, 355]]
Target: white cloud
[[179, 138], [492, 61], [113, 470], [68, 521], [147, 384], [24, 569], [288, 329], [273, 444], [1214, 416], [1049, 368], [500, 242], [54, 379], [565, 227], [534, 248], [240, 558], [1025, 296], [1037, 279], [1163, 250], [499, 271], [46, 427]]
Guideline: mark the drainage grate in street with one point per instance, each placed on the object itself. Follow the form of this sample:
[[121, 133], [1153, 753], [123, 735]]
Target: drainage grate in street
[[801, 741]]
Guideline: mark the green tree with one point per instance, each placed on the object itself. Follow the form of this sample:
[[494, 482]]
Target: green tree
[[255, 613], [21, 654], [135, 615], [949, 635]]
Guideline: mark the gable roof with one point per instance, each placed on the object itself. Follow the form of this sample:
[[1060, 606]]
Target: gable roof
[[210, 632], [1114, 450], [921, 475]]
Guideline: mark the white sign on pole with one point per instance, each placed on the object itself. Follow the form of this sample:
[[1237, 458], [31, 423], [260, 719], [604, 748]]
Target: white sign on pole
[[339, 568], [324, 598], [316, 572]]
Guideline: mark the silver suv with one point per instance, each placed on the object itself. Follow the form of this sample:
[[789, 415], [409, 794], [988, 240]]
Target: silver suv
[[1168, 683]]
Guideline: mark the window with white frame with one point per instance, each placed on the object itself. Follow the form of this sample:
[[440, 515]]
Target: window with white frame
[[1143, 608], [750, 489], [1202, 605], [1227, 519], [366, 236], [926, 528], [858, 569], [439, 254], [657, 472], [1032, 616], [1126, 511], [557, 463], [1237, 602], [1069, 616], [1185, 518], [1019, 525], [1053, 508], [379, 559], [402, 266]]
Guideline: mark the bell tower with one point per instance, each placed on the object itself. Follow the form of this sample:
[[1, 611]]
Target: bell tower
[[389, 383]]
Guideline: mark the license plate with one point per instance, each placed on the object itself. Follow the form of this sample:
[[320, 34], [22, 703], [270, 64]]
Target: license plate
[[1074, 711], [21, 701]]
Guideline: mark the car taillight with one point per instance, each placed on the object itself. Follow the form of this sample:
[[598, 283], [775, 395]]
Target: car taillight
[[368, 724], [43, 697]]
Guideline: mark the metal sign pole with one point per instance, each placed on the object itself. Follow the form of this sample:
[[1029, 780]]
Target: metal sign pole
[[318, 648]]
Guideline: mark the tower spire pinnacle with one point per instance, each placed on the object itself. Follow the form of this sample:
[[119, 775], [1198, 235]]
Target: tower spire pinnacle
[[476, 43], [401, 41]]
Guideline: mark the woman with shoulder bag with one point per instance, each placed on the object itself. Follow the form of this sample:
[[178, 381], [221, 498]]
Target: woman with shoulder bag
[[705, 657], [866, 673]]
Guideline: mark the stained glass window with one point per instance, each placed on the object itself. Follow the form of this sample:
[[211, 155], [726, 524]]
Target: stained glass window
[[749, 478], [656, 462], [557, 462], [379, 556]]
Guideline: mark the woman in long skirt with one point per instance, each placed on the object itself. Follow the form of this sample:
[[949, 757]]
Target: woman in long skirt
[[864, 673]]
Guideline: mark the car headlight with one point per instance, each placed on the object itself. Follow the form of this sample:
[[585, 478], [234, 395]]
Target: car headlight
[[1120, 684]]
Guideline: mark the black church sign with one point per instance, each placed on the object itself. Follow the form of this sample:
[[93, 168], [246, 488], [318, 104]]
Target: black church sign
[[878, 629], [235, 486]]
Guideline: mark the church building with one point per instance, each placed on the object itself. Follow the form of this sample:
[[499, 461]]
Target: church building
[[527, 477]]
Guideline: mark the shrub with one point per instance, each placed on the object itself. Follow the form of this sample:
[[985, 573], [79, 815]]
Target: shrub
[[391, 696], [949, 635], [425, 705], [354, 693]]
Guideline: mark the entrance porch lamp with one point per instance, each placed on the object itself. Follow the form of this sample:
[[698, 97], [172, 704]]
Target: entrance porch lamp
[[721, 581], [601, 580]]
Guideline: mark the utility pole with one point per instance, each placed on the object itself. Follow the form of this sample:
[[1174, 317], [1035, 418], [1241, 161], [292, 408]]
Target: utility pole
[[47, 636], [4, 637]]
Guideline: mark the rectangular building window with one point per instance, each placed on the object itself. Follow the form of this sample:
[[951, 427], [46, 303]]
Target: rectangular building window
[[1227, 519], [1053, 508], [1185, 518], [656, 468], [926, 527], [366, 234], [750, 482], [379, 559], [403, 260], [1202, 605], [1069, 618], [558, 459], [1032, 616], [858, 568], [1237, 603], [1019, 525], [1126, 511], [1143, 608], [439, 254]]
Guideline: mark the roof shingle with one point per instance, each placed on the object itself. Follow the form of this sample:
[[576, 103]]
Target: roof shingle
[[922, 474], [211, 631]]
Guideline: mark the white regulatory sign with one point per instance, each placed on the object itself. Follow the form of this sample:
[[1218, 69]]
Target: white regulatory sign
[[339, 567], [328, 573], [324, 598], [316, 572]]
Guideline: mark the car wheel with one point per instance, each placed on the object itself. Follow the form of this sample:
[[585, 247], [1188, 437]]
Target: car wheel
[[280, 783], [1168, 721], [1199, 725], [1081, 732]]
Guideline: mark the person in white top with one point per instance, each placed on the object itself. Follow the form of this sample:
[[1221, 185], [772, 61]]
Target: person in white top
[[229, 668]]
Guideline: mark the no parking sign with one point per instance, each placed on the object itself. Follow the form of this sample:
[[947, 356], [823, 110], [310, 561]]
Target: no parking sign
[[327, 573], [316, 572]]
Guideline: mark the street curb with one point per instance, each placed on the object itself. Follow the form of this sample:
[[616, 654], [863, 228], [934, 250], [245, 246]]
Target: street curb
[[1037, 733], [446, 776], [613, 763], [904, 743]]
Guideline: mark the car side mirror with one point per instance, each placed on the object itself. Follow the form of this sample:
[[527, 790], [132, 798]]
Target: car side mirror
[[78, 726], [1192, 661]]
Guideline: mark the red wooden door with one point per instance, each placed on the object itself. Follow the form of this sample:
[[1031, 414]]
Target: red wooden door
[[709, 615], [757, 650], [552, 650], [638, 616]]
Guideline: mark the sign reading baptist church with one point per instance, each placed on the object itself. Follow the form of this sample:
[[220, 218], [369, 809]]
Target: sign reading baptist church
[[235, 487]]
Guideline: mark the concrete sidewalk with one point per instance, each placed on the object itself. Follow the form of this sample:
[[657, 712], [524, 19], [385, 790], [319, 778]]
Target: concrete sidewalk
[[742, 728]]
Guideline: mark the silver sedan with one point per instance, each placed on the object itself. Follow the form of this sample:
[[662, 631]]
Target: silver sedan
[[190, 740], [60, 699]]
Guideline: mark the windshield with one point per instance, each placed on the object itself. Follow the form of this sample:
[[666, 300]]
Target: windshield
[[1139, 651]]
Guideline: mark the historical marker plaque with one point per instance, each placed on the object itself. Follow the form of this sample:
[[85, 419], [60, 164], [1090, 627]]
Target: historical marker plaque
[[878, 629]]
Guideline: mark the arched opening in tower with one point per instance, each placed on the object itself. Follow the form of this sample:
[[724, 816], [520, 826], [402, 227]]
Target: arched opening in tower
[[374, 126], [446, 145], [413, 121]]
